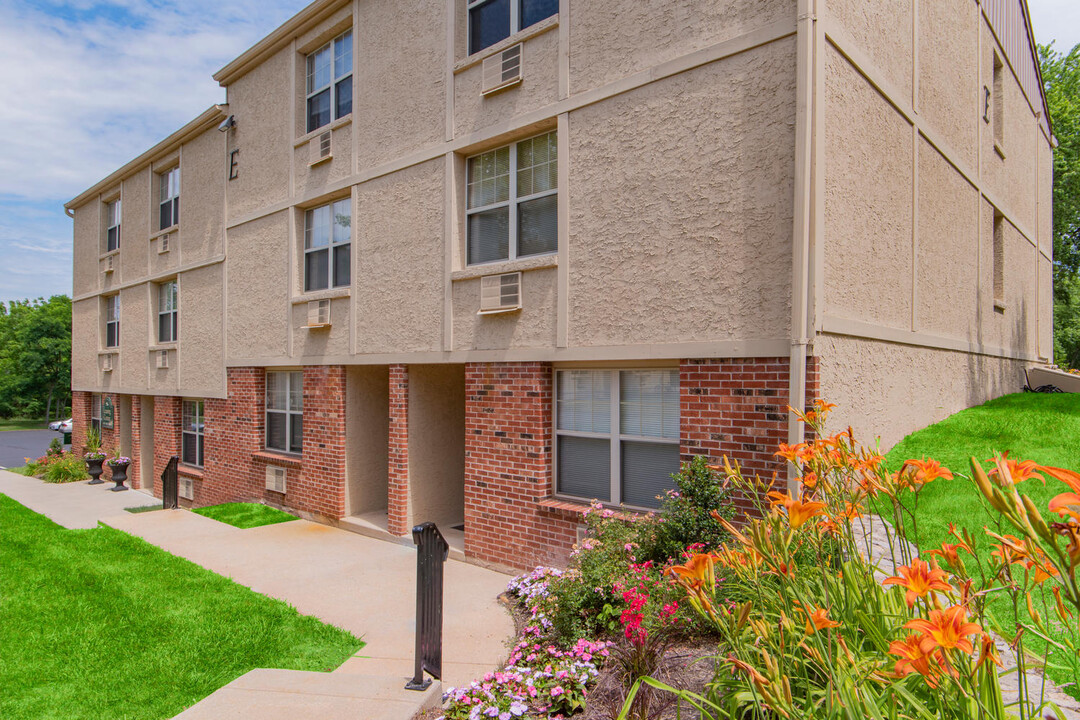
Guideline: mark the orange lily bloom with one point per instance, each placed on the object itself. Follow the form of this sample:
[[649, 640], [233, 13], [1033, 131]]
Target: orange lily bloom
[[1071, 532], [927, 471], [946, 629], [818, 619], [697, 571], [988, 652], [919, 580], [1014, 470], [756, 677], [1067, 504], [798, 512], [950, 552], [1010, 551], [797, 454], [913, 659]]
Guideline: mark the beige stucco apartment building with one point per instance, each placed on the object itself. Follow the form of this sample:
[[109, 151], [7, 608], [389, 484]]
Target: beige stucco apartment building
[[478, 262]]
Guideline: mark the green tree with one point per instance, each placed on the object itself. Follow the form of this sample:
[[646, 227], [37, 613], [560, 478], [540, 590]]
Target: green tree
[[35, 357], [1061, 76]]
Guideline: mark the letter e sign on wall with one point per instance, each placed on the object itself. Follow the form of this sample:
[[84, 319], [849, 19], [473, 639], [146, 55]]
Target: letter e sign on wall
[[234, 164]]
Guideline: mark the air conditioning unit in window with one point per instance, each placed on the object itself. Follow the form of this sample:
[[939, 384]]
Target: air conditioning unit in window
[[163, 243], [275, 478], [321, 148], [318, 314], [500, 293], [186, 487], [107, 363], [502, 70], [162, 359], [110, 264]]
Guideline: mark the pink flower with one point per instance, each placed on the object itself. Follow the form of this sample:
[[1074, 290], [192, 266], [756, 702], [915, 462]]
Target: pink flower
[[557, 691]]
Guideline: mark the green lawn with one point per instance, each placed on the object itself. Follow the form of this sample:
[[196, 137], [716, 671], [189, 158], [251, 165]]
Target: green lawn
[[23, 424], [97, 623], [1031, 426], [245, 515]]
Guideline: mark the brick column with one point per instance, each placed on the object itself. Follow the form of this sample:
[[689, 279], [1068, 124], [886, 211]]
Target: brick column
[[321, 489], [233, 433], [167, 421], [134, 476], [508, 439], [397, 484], [735, 407], [80, 419]]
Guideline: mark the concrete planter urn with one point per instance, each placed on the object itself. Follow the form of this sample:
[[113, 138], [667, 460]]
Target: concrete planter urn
[[118, 467], [93, 467]]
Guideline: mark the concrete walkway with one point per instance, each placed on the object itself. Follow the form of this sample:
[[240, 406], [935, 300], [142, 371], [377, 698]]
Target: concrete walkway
[[363, 585]]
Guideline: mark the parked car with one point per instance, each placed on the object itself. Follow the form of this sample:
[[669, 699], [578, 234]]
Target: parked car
[[55, 424], [63, 426]]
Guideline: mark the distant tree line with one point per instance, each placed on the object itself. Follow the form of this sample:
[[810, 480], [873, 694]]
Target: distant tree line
[[35, 358]]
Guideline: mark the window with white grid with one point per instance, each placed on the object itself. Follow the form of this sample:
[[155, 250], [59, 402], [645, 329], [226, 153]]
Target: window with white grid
[[112, 321], [493, 20], [112, 226], [327, 239], [617, 434], [191, 436], [168, 312], [329, 81], [512, 207], [169, 198], [285, 411]]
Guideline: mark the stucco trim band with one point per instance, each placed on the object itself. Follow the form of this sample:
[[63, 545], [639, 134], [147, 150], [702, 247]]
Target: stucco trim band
[[158, 277], [868, 331]]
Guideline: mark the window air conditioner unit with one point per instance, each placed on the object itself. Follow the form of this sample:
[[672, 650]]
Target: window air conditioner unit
[[321, 147], [500, 293], [186, 487], [107, 363], [502, 70], [110, 263], [275, 479], [163, 243], [318, 314], [162, 359]]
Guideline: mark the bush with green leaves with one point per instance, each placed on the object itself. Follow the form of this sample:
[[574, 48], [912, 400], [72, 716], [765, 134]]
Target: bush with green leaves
[[685, 516], [56, 448], [64, 468]]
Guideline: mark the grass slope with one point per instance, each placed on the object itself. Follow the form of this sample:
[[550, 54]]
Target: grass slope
[[24, 424], [245, 515], [97, 623], [1030, 426]]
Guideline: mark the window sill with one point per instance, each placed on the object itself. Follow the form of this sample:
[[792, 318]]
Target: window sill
[[333, 294], [111, 253], [162, 346], [190, 471], [109, 351], [580, 507], [536, 262], [520, 36], [175, 227], [307, 137], [277, 458]]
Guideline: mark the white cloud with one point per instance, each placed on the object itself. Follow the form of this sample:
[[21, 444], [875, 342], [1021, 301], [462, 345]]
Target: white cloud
[[1057, 20]]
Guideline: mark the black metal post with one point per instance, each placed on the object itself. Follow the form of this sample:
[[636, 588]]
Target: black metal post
[[169, 486], [431, 552]]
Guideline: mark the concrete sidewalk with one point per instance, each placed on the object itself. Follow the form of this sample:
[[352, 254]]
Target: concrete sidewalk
[[358, 583]]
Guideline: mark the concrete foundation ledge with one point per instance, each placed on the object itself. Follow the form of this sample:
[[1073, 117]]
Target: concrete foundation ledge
[[270, 694]]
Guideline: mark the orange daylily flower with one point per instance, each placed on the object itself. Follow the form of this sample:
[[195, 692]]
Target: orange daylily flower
[[756, 677], [1010, 551], [946, 629], [919, 579], [798, 512], [697, 571], [913, 659], [818, 619], [1067, 504], [950, 552], [988, 652], [1071, 532], [797, 454], [926, 471], [1014, 471]]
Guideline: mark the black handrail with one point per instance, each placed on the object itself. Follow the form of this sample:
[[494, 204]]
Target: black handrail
[[170, 486], [431, 552]]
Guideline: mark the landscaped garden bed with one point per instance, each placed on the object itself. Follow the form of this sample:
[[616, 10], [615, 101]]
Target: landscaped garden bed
[[97, 623]]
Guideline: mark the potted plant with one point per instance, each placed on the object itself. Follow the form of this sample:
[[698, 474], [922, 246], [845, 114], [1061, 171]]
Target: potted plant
[[94, 457], [118, 466]]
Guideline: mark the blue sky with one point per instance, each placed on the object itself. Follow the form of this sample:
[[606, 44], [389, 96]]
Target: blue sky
[[86, 85]]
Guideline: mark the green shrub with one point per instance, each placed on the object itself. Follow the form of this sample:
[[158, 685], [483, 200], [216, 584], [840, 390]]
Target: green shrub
[[56, 448], [685, 513], [65, 468]]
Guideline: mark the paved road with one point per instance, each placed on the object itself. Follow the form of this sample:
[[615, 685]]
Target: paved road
[[16, 445]]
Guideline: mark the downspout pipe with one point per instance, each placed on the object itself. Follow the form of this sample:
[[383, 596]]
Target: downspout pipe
[[801, 231]]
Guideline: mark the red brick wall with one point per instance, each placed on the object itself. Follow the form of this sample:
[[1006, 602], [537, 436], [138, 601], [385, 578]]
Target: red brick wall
[[321, 489], [508, 440], [80, 419], [166, 435], [397, 484], [136, 441]]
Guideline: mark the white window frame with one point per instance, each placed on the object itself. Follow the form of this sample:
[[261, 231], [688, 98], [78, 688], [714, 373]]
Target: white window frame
[[112, 225], [169, 194], [169, 291], [512, 201], [614, 434], [290, 377], [95, 413], [197, 431], [515, 21], [112, 318], [332, 85], [331, 248]]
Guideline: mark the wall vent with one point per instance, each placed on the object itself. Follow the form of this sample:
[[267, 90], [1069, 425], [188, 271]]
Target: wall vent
[[186, 487], [500, 293], [502, 70], [580, 533], [275, 478], [162, 359], [107, 363], [321, 147], [110, 263], [163, 243], [318, 314]]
